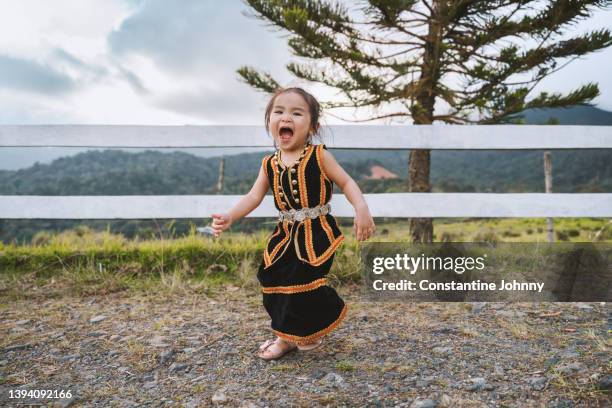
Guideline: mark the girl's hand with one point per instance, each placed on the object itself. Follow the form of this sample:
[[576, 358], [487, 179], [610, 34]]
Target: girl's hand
[[221, 222], [364, 224]]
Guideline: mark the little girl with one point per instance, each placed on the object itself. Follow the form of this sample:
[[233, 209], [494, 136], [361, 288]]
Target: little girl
[[300, 251]]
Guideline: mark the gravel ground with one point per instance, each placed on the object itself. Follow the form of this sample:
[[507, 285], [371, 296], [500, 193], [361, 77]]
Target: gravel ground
[[195, 350]]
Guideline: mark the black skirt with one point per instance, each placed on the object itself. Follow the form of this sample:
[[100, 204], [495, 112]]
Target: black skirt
[[302, 306]]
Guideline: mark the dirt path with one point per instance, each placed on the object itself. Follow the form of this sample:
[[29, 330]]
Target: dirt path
[[193, 350]]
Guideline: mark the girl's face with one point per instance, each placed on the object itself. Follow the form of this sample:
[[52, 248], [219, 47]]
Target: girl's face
[[290, 121]]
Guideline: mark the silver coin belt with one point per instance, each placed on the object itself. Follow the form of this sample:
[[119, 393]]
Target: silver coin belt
[[302, 214]]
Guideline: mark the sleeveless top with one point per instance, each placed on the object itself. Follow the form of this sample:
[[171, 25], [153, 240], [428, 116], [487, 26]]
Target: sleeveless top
[[303, 184]]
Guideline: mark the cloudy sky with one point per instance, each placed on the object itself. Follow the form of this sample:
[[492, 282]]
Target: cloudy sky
[[166, 63]]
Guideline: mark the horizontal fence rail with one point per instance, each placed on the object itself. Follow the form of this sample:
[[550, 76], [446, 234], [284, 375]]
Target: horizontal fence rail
[[444, 137], [381, 205]]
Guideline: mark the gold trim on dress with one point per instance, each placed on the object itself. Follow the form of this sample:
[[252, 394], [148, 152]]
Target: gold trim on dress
[[296, 288], [328, 252], [327, 228], [275, 181], [302, 178], [277, 247], [308, 237], [301, 340], [322, 193]]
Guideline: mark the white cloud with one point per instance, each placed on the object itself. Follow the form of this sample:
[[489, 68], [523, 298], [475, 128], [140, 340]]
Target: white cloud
[[154, 61]]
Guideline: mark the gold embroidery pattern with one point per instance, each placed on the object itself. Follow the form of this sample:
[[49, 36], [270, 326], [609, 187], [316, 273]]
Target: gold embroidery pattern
[[297, 245], [266, 255], [309, 339], [280, 244], [276, 177], [302, 178], [327, 228], [296, 288], [328, 252], [308, 236]]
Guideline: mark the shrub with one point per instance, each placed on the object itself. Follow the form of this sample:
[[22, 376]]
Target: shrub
[[488, 236], [573, 233]]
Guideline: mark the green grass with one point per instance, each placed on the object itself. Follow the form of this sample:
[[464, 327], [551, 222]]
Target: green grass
[[83, 261]]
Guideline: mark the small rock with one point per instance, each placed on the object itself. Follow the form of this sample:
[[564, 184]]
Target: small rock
[[571, 368], [193, 403], [317, 374], [147, 377], [477, 307], [498, 371], [22, 322], [149, 385], [569, 354], [97, 319], [582, 306], [66, 402], [57, 335], [248, 404], [479, 384], [561, 403], [605, 383], [69, 357], [426, 403], [114, 337], [17, 347], [176, 367], [442, 351], [424, 382], [97, 333], [537, 383], [219, 397], [445, 401], [166, 356], [333, 380], [551, 361], [158, 341]]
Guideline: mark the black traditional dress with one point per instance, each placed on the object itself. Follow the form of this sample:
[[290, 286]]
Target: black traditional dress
[[299, 254]]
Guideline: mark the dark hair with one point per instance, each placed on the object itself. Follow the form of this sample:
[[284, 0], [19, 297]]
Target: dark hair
[[314, 107]]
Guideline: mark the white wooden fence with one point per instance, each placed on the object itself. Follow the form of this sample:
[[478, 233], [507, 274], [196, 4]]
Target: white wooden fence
[[447, 137]]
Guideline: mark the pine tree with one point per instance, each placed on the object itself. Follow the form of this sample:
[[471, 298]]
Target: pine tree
[[410, 54]]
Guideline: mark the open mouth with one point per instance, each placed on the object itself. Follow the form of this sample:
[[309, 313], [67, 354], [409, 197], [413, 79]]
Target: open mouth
[[285, 133]]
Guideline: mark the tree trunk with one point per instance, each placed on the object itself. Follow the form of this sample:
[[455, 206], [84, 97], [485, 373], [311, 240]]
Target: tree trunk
[[421, 229]]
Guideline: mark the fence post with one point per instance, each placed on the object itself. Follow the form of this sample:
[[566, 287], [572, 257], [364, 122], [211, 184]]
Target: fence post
[[548, 183]]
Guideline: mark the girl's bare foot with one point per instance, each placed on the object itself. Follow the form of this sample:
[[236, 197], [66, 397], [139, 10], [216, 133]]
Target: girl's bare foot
[[311, 346], [272, 350]]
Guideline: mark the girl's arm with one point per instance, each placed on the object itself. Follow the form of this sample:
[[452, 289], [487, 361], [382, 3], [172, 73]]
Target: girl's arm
[[364, 224], [246, 204]]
